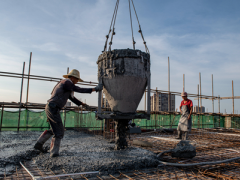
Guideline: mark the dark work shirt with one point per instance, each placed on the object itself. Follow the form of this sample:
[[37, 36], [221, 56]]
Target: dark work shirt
[[64, 91]]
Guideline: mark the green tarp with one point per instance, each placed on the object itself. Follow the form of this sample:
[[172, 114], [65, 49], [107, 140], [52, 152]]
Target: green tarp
[[37, 121]]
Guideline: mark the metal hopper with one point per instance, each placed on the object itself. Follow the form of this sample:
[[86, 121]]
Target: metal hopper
[[124, 74]]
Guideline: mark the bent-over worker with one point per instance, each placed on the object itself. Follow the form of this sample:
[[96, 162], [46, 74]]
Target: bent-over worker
[[185, 122], [63, 91]]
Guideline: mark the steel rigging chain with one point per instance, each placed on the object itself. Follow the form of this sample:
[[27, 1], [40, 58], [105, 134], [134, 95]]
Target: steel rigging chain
[[112, 29], [140, 30], [131, 25]]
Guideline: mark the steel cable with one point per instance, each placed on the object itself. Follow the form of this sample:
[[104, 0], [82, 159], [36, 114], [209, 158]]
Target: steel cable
[[131, 25], [107, 36], [113, 32], [140, 30]]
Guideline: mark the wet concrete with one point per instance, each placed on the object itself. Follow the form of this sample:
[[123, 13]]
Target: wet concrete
[[15, 147], [79, 152]]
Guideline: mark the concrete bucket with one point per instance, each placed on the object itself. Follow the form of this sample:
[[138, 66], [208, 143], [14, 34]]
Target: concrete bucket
[[124, 74]]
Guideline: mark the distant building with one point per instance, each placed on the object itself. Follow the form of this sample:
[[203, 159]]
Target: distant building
[[197, 109], [162, 104]]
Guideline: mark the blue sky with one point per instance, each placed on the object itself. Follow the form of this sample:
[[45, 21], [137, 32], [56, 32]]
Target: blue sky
[[198, 36]]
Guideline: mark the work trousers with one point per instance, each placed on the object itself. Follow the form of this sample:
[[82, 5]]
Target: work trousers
[[54, 118], [183, 135]]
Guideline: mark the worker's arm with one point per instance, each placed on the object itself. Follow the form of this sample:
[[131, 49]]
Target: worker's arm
[[189, 116], [76, 101], [180, 108], [69, 86]]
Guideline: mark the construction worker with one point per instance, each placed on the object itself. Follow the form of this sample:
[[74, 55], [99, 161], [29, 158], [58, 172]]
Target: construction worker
[[63, 91], [185, 122]]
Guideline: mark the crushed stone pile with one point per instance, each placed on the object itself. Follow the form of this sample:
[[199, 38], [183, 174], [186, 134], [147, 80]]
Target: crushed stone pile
[[79, 152], [15, 147]]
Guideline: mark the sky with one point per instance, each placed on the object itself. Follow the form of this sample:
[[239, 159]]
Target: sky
[[197, 35]]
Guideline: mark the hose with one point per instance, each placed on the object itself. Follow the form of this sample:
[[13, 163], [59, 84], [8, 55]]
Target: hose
[[196, 164], [159, 155]]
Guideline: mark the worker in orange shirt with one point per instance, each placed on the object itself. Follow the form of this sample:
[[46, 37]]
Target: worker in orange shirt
[[185, 122]]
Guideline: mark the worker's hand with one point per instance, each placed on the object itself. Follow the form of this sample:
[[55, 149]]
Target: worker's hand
[[189, 116], [99, 87], [86, 106]]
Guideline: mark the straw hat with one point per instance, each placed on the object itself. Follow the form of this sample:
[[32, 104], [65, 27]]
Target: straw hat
[[74, 73], [184, 94]]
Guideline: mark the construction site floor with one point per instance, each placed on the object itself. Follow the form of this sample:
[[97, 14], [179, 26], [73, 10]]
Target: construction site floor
[[81, 152]]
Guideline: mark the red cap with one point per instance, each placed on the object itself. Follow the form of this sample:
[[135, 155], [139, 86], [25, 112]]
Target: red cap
[[184, 94]]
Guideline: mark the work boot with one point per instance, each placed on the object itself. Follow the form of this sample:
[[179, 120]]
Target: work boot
[[55, 145], [179, 135], [185, 135], [41, 140]]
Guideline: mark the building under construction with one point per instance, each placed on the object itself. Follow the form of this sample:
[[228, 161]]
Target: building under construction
[[114, 140]]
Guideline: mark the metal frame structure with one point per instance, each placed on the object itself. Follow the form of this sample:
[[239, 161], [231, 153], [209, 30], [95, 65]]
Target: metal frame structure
[[144, 114]]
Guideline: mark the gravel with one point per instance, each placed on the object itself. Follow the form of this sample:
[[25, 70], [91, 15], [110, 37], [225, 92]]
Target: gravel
[[15, 147], [79, 152]]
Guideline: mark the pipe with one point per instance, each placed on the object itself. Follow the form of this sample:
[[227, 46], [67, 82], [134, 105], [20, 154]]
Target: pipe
[[157, 101], [200, 92], [183, 82], [145, 100], [169, 95], [198, 164], [20, 102], [198, 97], [30, 60], [232, 97], [218, 104], [149, 94], [198, 105], [89, 83], [102, 103], [73, 174], [60, 175], [27, 170], [1, 117], [100, 97], [212, 95], [46, 77]]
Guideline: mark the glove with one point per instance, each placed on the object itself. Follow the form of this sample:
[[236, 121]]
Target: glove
[[99, 87]]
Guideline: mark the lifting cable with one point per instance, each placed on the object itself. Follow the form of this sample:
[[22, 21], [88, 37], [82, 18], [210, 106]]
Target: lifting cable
[[131, 25], [112, 28], [140, 30]]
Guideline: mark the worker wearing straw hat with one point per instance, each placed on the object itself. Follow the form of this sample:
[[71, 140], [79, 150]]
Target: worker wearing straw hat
[[63, 91], [185, 122]]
